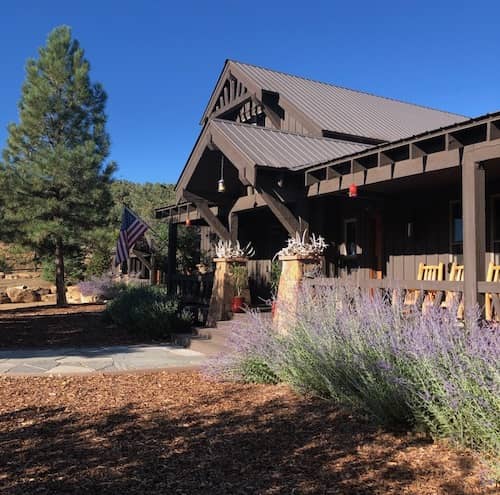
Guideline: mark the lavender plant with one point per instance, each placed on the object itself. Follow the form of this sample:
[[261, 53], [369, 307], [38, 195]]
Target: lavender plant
[[104, 287], [363, 351]]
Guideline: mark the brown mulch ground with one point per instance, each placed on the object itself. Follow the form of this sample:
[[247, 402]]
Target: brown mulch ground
[[174, 433], [48, 326]]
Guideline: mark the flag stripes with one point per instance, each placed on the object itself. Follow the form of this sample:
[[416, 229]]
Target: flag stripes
[[131, 229]]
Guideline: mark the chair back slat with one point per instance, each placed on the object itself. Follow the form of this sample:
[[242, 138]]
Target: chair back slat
[[425, 273], [492, 299]]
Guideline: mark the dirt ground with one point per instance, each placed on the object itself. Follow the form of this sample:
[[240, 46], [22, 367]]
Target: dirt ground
[[42, 326], [175, 433]]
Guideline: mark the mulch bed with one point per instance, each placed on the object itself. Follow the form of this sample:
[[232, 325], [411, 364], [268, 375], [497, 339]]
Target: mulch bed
[[175, 433], [48, 326]]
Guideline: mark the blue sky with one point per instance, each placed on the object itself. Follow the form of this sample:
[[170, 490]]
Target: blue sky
[[159, 60]]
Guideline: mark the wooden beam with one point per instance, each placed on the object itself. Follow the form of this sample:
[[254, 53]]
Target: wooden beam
[[233, 226], [280, 211], [144, 261], [474, 228], [171, 256], [205, 211]]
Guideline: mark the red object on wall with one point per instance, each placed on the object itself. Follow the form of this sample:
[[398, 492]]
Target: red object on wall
[[353, 190], [188, 222]]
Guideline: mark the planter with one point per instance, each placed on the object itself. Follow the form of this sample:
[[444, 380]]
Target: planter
[[237, 304]]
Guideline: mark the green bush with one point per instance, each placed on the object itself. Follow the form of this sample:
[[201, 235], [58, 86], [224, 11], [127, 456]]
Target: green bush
[[149, 311], [4, 265], [256, 370], [74, 269]]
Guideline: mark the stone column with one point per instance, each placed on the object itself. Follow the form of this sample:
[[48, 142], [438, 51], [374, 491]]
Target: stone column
[[292, 273], [223, 290]]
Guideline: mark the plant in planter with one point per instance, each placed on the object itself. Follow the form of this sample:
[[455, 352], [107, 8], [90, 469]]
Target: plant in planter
[[302, 247], [239, 274], [232, 250], [275, 280]]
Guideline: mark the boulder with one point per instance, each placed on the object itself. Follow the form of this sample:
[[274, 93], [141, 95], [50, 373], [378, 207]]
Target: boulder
[[73, 294], [12, 292], [50, 298], [2, 274], [43, 291], [4, 298], [26, 296]]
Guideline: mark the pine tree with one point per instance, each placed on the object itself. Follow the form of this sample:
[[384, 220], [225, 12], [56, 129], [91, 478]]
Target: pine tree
[[53, 179]]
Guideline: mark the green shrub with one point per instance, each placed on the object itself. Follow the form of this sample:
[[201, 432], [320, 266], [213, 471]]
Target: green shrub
[[4, 265], [149, 311], [256, 370], [74, 269]]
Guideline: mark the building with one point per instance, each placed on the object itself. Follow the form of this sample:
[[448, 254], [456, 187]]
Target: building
[[388, 184]]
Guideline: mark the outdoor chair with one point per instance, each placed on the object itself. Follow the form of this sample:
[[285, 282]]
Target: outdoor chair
[[429, 298], [492, 299], [455, 299]]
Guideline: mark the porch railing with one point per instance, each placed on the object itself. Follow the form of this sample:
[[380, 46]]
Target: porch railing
[[438, 288], [193, 289]]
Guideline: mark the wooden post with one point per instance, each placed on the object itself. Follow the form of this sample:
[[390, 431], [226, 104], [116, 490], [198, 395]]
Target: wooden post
[[474, 228], [172, 258], [233, 226]]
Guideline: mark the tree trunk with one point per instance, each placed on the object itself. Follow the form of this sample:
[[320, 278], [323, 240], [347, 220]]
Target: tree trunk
[[60, 286]]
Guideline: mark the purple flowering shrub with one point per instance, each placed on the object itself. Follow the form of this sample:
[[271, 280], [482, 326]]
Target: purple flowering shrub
[[407, 368], [104, 287], [252, 346]]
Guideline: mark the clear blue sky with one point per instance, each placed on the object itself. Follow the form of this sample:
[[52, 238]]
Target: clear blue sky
[[159, 60]]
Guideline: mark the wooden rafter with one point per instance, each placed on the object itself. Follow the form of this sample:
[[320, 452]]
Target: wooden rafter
[[280, 211], [202, 205]]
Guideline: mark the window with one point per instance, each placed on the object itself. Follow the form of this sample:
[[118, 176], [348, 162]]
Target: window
[[350, 237], [456, 231]]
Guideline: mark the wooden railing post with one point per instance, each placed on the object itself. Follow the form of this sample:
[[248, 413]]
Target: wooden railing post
[[474, 229]]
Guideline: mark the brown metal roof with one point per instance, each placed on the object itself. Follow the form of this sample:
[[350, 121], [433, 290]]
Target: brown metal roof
[[272, 148], [347, 111]]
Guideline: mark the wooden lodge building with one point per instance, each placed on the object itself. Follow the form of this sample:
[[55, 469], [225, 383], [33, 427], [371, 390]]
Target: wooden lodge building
[[388, 184]]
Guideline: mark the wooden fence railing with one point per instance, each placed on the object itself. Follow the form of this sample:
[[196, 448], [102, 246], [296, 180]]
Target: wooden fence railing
[[193, 289]]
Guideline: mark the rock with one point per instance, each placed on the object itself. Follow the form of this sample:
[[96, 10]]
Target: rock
[[12, 292], [26, 296], [50, 298], [73, 294], [91, 299], [2, 274], [43, 291], [4, 298]]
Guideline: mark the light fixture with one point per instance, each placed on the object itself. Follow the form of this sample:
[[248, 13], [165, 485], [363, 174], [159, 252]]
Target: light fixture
[[188, 220], [221, 187], [353, 190]]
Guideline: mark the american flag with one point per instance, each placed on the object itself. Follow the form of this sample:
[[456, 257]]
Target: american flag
[[132, 228]]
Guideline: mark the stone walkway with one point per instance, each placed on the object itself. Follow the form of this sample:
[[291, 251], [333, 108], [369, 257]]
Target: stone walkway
[[82, 360]]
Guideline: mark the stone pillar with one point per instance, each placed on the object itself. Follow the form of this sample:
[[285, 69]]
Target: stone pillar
[[223, 290], [292, 273]]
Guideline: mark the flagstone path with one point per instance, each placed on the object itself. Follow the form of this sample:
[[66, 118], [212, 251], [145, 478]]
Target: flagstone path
[[85, 360]]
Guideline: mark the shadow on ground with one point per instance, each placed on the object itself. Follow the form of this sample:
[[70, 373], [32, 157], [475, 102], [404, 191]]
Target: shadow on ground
[[219, 440]]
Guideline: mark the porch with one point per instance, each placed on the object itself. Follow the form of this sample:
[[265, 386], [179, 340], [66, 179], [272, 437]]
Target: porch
[[432, 198]]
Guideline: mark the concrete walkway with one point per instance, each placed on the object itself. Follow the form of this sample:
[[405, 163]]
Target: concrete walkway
[[84, 360]]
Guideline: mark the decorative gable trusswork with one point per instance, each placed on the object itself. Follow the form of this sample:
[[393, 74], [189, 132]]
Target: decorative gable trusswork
[[232, 94]]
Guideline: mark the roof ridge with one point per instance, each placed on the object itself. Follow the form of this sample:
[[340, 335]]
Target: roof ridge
[[279, 131], [349, 89]]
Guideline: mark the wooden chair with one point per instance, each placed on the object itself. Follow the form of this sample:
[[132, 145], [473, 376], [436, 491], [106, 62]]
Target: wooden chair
[[455, 298], [425, 272], [492, 299]]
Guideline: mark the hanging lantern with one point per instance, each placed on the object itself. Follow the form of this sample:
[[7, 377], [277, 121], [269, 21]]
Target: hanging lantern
[[221, 187], [188, 220], [353, 190]]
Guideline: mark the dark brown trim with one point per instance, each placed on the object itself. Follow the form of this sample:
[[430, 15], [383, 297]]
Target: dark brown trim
[[474, 227], [212, 220]]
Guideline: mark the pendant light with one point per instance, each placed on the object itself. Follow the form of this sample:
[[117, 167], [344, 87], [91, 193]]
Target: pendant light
[[353, 188], [188, 220], [221, 187]]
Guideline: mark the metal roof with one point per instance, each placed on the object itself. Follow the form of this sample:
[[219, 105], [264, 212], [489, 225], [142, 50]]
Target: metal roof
[[347, 111], [279, 149]]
